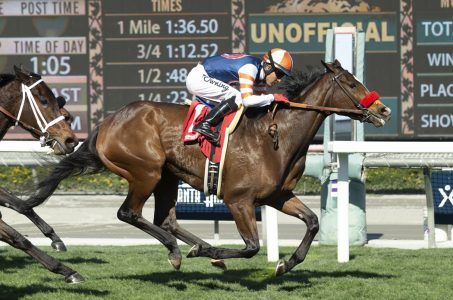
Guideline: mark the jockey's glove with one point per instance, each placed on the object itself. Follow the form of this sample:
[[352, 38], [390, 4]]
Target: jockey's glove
[[280, 98]]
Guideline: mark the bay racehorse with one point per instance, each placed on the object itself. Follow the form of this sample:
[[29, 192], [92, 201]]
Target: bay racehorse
[[27, 101], [142, 143]]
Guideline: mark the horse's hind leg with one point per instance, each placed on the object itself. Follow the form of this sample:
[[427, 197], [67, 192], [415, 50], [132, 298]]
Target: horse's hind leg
[[165, 196], [291, 205], [15, 239], [131, 212], [10, 201], [243, 212]]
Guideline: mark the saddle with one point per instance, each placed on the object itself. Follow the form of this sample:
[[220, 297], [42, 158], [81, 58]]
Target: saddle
[[215, 155]]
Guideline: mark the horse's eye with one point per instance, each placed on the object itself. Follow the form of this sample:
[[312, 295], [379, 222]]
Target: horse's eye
[[43, 100], [352, 85]]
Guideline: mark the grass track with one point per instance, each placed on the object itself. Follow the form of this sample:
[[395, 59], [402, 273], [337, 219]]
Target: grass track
[[144, 273]]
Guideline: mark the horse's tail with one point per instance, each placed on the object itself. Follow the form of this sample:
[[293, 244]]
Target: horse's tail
[[85, 160]]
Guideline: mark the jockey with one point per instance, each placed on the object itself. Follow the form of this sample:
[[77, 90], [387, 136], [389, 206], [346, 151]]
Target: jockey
[[212, 78]]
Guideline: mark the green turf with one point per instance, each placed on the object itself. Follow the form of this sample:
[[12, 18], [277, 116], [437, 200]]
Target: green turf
[[144, 273]]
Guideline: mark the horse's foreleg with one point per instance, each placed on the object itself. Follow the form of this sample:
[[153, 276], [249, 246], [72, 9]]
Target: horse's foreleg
[[14, 203], [131, 212], [244, 216], [15, 239], [294, 207], [46, 229]]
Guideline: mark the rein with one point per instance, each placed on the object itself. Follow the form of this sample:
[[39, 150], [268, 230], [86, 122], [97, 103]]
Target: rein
[[362, 108], [24, 125], [273, 128], [326, 108]]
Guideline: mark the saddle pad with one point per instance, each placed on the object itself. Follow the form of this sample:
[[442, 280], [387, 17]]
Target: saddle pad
[[195, 114]]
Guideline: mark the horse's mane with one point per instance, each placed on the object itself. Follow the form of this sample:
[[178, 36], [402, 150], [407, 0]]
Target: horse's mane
[[294, 85], [6, 78]]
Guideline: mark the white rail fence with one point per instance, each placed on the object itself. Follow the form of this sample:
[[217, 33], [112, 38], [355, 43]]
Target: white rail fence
[[342, 149], [25, 153], [425, 155]]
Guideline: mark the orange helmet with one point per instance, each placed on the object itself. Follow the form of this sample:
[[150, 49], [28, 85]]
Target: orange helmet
[[279, 59]]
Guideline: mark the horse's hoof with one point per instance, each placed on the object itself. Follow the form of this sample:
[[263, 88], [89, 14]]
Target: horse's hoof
[[74, 278], [59, 246], [175, 261], [194, 251], [219, 263], [281, 268]]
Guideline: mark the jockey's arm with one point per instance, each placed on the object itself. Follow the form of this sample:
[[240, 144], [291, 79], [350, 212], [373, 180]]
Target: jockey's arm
[[247, 75]]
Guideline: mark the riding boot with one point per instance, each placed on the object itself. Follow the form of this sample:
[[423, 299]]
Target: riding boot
[[213, 118]]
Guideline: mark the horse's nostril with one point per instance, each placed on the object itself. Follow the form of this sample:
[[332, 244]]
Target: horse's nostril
[[386, 111], [70, 142]]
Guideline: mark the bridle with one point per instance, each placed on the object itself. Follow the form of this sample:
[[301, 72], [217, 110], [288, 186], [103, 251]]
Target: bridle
[[40, 120], [362, 107], [361, 110]]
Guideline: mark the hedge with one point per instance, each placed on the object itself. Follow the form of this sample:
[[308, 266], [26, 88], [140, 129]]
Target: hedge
[[21, 181], [378, 181]]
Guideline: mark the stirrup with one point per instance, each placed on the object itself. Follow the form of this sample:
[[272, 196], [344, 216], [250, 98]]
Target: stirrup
[[212, 137], [215, 141], [204, 128]]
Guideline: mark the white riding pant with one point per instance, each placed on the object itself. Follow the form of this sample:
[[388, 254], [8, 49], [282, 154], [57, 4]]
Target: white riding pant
[[200, 84]]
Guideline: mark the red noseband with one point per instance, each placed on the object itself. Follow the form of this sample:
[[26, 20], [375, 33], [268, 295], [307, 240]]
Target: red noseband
[[369, 99]]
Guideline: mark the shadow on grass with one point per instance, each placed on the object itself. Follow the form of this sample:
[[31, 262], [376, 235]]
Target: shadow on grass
[[374, 236], [13, 292], [81, 260], [246, 278], [13, 263], [10, 264]]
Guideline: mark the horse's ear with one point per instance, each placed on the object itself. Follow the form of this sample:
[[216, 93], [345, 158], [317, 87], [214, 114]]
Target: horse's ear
[[17, 70], [61, 101], [21, 73], [337, 63], [328, 66]]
